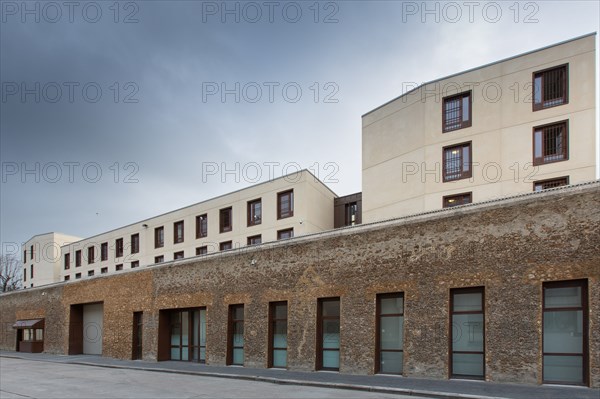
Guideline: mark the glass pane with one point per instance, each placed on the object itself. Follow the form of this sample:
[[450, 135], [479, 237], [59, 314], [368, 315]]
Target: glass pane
[[196, 328], [563, 369], [537, 90], [331, 334], [26, 335], [467, 364], [238, 334], [331, 359], [280, 334], [537, 145], [39, 335], [203, 327], [184, 328], [238, 313], [391, 362], [195, 353], [467, 302], [467, 332], [203, 354], [564, 297], [175, 354], [466, 159], [175, 335], [185, 353], [238, 356], [281, 311], [392, 305], [465, 105], [563, 332], [331, 308], [391, 332], [280, 358]]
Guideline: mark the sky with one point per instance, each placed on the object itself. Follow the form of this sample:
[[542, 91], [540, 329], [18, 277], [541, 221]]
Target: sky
[[113, 112]]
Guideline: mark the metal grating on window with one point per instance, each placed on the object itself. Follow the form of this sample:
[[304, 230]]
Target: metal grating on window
[[546, 184], [550, 88]]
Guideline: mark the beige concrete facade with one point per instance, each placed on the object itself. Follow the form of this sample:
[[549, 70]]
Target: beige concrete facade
[[403, 139]]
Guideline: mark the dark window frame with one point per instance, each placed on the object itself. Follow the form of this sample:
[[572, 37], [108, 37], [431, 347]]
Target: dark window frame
[[289, 213], [137, 336], [119, 248], [463, 174], [273, 320], [159, 237], [191, 348], [31, 254], [553, 182], [135, 243], [90, 273], [281, 232], [554, 102], [159, 259], [91, 255], [224, 243], [461, 197], [134, 264], [350, 211], [225, 213], [201, 226], [178, 255], [565, 148], [461, 124], [119, 267], [320, 319], [77, 276], [78, 258], [30, 271], [103, 252], [254, 214], [67, 261], [251, 239], [203, 250], [378, 317], [231, 323], [177, 239], [104, 270]]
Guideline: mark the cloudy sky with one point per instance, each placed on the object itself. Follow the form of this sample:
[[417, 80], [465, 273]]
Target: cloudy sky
[[114, 113]]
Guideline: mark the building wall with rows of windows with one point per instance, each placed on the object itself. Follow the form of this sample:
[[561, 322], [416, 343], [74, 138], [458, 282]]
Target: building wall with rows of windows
[[515, 126], [505, 291]]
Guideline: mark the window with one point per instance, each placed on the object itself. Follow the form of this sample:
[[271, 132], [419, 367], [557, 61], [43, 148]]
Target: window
[[25, 274], [31, 253], [390, 333], [285, 234], [285, 204], [235, 333], [159, 259], [328, 334], [201, 226], [565, 332], [351, 214], [119, 267], [457, 112], [118, 247], [550, 143], [467, 329], [159, 237], [67, 278], [278, 312], [550, 87], [225, 221], [77, 276], [457, 162], [178, 232], [457, 199], [31, 271], [91, 255], [33, 334], [24, 256], [254, 240], [78, 258], [224, 246], [90, 273], [254, 212], [138, 329], [135, 263], [104, 270], [178, 255], [188, 335], [202, 250], [550, 183], [67, 261], [104, 251], [135, 243]]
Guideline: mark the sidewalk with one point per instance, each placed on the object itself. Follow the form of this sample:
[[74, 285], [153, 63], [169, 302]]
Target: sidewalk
[[444, 389]]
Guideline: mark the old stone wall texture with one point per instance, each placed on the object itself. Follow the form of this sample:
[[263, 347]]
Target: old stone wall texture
[[510, 247]]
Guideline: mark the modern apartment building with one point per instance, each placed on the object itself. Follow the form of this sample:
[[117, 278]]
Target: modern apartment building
[[514, 126]]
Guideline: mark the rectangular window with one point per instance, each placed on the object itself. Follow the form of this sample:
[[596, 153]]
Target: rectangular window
[[135, 263], [104, 270], [178, 232], [188, 335], [457, 112], [254, 212], [224, 246], [135, 243], [235, 332], [31, 253], [31, 271], [390, 333], [67, 261], [201, 226], [278, 312], [550, 183], [550, 143], [91, 255], [104, 251], [77, 276], [159, 259], [351, 212], [328, 334], [78, 258], [225, 220], [67, 278], [25, 274], [178, 255], [467, 329], [285, 204], [565, 333], [159, 237], [202, 250], [119, 267], [24, 256], [118, 247], [254, 240], [285, 234], [138, 330], [456, 162], [550, 87], [90, 273], [457, 199]]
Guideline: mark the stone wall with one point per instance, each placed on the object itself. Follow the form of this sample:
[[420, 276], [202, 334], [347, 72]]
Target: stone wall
[[510, 247]]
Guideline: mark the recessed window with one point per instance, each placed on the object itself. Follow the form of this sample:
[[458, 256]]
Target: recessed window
[[285, 234], [159, 237], [67, 278], [328, 334], [159, 259], [254, 212], [550, 143], [78, 258], [31, 253], [24, 256], [91, 255], [135, 263], [457, 199], [255, 240], [104, 270], [550, 183], [235, 332], [225, 220], [67, 261], [77, 276], [202, 250], [467, 329], [104, 251], [118, 247], [224, 246], [178, 255], [90, 273], [351, 214], [178, 232], [201, 226], [550, 87], [25, 274], [456, 113], [456, 161], [119, 267], [31, 271], [390, 333], [135, 243], [285, 204], [278, 315]]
